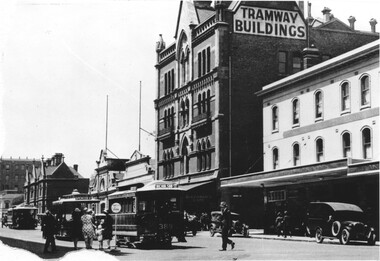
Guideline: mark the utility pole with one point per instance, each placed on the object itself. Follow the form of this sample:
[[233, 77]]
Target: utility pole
[[140, 119]]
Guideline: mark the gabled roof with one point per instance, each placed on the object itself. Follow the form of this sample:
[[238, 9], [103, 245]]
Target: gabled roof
[[335, 24]]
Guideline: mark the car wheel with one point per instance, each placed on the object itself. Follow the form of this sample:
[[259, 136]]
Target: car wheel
[[212, 232], [371, 239], [335, 228], [318, 235], [344, 237], [246, 232], [194, 232]]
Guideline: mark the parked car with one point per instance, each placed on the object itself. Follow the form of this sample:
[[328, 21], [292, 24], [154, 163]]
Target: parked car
[[238, 227], [338, 220]]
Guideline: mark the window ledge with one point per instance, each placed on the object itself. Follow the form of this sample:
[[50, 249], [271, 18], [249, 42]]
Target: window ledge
[[274, 131], [295, 125], [363, 107], [318, 119], [345, 112]]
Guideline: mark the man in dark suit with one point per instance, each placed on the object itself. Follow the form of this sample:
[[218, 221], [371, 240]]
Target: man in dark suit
[[48, 227], [226, 226]]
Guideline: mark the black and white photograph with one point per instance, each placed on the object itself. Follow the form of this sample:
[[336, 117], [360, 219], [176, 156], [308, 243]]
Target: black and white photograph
[[189, 130]]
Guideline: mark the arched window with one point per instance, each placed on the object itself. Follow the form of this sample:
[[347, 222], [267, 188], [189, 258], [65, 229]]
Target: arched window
[[365, 90], [199, 104], [346, 143], [165, 119], [296, 112], [208, 155], [296, 154], [102, 185], [345, 96], [275, 158], [367, 143], [274, 118], [318, 105], [319, 149], [199, 157], [208, 106]]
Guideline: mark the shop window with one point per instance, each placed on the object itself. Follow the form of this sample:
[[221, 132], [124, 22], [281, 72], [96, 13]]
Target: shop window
[[365, 91], [346, 142], [345, 96], [367, 143], [319, 150]]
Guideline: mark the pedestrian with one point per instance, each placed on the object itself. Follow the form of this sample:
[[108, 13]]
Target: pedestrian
[[49, 228], [4, 220], [226, 226], [279, 223], [88, 229], [99, 235], [76, 228], [286, 224], [107, 226]]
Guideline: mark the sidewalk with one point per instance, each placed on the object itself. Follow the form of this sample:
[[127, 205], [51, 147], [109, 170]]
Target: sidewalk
[[259, 234]]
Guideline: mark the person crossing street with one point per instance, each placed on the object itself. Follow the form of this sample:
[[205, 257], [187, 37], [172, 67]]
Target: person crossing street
[[226, 226]]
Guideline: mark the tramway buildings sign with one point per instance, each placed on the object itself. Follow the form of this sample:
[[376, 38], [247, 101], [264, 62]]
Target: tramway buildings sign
[[269, 22]]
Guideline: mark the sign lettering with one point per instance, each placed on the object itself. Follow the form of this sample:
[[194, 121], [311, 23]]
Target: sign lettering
[[269, 22]]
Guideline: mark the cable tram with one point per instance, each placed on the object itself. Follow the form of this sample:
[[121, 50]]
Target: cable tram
[[151, 215], [22, 217], [65, 206]]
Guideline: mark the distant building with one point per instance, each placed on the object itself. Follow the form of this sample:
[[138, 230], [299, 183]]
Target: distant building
[[112, 176], [103, 181], [49, 180], [12, 178], [12, 173], [209, 120], [321, 138]]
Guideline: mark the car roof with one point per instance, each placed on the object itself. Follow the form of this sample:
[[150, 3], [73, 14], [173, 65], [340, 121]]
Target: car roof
[[338, 206]]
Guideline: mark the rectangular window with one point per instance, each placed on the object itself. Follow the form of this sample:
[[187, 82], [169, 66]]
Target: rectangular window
[[345, 97], [318, 105], [199, 64], [282, 62], [204, 62], [277, 195], [208, 59], [274, 119], [297, 63], [365, 99]]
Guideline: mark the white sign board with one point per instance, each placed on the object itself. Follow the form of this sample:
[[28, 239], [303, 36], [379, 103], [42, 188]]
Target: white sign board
[[269, 22], [116, 207]]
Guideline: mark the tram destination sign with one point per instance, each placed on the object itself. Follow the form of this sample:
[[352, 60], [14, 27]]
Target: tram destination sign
[[269, 22]]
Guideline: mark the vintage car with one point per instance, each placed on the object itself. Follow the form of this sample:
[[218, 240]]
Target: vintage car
[[338, 220], [192, 224], [238, 227]]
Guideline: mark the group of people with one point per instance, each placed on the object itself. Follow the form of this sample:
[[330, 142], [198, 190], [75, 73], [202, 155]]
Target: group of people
[[83, 225]]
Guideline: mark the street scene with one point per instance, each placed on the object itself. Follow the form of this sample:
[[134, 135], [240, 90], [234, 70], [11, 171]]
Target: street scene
[[189, 130]]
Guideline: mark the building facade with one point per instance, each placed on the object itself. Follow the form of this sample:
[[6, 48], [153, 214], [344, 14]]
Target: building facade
[[12, 179], [321, 138], [49, 180], [209, 120]]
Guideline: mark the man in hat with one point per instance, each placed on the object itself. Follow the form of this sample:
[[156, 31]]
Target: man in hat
[[107, 226], [226, 225], [49, 228]]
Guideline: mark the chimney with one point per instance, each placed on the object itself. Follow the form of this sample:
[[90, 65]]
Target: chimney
[[75, 166], [352, 21], [326, 14], [373, 23], [311, 56]]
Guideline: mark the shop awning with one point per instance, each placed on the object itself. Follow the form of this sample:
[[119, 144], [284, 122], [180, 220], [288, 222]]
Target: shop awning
[[122, 194], [338, 169], [188, 187]]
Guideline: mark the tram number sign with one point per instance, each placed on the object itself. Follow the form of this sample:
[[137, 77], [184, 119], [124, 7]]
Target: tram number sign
[[116, 207]]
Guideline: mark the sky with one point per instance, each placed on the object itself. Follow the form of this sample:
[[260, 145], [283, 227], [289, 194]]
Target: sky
[[61, 59]]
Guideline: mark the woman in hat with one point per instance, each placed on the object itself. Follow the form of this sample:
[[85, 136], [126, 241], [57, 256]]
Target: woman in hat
[[88, 229], [76, 226], [107, 226]]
